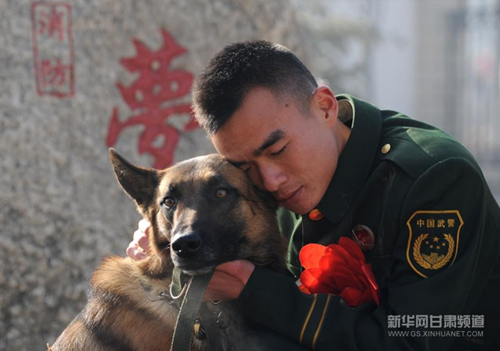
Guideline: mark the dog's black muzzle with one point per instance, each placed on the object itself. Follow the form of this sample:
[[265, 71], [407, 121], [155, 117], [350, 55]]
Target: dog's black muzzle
[[187, 245], [197, 251]]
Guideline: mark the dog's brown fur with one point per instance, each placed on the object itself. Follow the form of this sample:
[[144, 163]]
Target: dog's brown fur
[[239, 225]]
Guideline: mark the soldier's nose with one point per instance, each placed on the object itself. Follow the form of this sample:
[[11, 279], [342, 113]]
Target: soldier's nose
[[272, 179], [185, 245]]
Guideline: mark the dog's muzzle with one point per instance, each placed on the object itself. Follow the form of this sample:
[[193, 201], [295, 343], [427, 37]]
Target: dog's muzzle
[[187, 245]]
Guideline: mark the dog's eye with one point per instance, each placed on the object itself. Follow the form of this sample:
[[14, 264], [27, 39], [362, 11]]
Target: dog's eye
[[221, 193], [169, 202]]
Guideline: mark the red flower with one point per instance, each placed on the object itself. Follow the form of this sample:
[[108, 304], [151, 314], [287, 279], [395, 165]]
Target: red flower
[[339, 269]]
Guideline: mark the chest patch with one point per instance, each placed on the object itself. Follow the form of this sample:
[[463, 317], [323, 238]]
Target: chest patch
[[433, 240]]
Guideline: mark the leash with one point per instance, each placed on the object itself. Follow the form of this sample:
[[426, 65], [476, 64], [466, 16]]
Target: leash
[[189, 311]]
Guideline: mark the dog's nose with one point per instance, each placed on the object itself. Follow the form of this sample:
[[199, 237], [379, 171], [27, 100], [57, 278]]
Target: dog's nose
[[187, 245]]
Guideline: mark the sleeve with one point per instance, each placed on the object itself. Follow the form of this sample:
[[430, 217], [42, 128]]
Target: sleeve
[[450, 286]]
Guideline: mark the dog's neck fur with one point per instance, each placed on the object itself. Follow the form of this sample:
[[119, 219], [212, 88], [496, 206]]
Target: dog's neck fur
[[157, 267]]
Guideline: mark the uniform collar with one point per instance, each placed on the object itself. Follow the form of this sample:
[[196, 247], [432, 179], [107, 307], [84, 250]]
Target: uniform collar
[[355, 161]]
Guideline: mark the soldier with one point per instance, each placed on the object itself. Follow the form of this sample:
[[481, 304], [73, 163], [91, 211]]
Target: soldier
[[414, 199]]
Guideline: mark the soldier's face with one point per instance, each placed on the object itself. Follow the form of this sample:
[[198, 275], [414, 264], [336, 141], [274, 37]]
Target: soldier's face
[[285, 152]]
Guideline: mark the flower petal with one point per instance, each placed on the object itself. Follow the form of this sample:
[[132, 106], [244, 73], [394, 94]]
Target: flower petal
[[338, 269], [337, 250], [311, 254], [304, 289], [351, 296], [343, 281], [344, 277], [313, 279], [310, 276], [350, 246], [367, 270], [331, 261], [355, 266]]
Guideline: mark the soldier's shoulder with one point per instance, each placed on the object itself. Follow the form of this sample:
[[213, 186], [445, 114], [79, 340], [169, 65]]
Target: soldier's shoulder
[[416, 146]]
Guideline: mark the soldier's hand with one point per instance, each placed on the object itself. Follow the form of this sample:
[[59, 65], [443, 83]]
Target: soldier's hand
[[139, 246], [229, 280]]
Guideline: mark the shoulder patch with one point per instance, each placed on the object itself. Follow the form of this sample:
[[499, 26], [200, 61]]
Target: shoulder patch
[[433, 240]]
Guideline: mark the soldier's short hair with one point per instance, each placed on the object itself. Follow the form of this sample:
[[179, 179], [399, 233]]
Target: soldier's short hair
[[219, 90]]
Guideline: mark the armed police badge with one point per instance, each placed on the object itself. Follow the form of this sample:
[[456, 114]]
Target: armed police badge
[[433, 240]]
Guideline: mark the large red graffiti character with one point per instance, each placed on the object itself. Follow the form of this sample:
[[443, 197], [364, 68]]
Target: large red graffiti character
[[150, 96]]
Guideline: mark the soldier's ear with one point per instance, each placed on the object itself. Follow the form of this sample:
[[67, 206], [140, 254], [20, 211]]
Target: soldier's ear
[[139, 183]]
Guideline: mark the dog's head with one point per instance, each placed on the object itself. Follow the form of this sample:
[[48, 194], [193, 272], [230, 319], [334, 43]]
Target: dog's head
[[203, 212]]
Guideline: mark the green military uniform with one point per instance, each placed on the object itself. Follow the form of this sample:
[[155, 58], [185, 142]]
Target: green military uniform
[[436, 254]]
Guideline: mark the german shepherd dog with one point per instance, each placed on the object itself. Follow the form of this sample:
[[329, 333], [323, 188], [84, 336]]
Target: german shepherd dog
[[203, 212]]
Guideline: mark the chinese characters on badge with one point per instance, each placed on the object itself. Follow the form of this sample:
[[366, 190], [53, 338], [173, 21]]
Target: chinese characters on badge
[[433, 240]]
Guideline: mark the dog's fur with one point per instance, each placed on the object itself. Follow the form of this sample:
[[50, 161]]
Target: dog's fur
[[215, 201]]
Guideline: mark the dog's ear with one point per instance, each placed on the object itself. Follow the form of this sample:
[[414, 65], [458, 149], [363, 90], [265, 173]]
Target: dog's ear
[[139, 183]]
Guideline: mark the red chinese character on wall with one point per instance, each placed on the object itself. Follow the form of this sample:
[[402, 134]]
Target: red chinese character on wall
[[150, 98], [53, 50], [50, 22], [54, 72]]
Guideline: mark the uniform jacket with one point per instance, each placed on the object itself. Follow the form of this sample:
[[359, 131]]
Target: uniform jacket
[[437, 244]]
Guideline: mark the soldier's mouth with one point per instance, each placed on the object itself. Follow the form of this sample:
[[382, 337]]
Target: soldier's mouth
[[290, 197]]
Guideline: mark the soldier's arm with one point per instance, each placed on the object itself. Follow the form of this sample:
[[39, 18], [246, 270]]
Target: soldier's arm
[[325, 322]]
